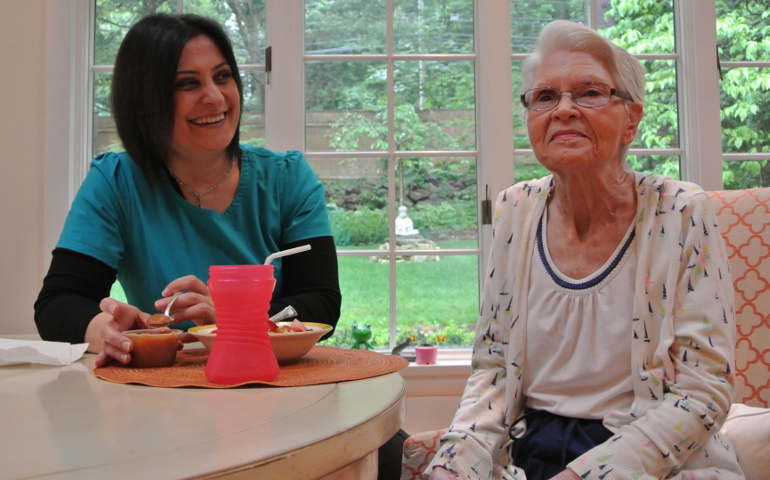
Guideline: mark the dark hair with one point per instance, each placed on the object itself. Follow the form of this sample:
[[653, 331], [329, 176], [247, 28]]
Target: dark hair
[[143, 85]]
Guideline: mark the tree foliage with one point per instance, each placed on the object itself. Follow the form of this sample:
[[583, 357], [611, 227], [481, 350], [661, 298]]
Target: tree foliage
[[743, 33], [447, 26]]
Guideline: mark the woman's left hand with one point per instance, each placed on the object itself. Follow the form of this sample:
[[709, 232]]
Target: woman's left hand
[[194, 304], [567, 474]]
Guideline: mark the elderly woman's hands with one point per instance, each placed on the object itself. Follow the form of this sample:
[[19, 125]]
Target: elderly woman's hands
[[441, 473], [194, 304], [566, 475]]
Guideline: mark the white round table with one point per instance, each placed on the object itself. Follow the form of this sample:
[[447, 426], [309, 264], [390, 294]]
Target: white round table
[[64, 423]]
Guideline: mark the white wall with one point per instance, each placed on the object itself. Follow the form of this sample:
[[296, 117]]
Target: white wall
[[22, 151]]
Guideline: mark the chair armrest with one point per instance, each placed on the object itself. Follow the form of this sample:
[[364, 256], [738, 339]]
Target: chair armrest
[[748, 429], [419, 450]]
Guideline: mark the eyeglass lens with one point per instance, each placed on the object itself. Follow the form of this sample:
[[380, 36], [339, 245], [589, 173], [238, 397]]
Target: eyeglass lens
[[589, 95]]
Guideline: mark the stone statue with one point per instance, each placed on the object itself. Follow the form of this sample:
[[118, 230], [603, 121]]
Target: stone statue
[[404, 225]]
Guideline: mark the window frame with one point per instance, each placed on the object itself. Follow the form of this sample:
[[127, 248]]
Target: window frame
[[69, 100]]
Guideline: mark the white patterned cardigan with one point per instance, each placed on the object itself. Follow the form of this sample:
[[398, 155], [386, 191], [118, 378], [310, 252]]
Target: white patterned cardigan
[[682, 338]]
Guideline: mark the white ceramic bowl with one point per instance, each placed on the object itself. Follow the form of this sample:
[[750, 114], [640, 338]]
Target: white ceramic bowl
[[288, 347]]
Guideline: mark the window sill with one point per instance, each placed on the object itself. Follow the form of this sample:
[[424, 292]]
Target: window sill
[[445, 378]]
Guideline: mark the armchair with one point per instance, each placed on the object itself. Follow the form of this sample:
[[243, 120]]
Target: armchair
[[744, 219]]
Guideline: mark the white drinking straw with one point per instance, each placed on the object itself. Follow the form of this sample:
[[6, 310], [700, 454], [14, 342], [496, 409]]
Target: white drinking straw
[[283, 253]]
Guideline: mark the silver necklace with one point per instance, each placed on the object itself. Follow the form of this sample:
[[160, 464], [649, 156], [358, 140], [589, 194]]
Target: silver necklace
[[199, 195]]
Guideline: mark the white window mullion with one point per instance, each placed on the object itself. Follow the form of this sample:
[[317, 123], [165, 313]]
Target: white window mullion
[[284, 95], [700, 129], [68, 111], [494, 109]]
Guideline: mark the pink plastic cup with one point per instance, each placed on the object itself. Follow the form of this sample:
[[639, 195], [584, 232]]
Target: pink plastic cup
[[243, 352]]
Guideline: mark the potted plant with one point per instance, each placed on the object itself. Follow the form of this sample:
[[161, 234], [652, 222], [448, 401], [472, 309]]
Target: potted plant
[[426, 348]]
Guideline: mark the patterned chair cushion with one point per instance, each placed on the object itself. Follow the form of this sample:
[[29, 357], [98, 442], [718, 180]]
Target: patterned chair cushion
[[744, 218], [419, 450]]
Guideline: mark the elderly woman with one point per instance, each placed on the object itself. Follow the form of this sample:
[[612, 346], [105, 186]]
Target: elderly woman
[[604, 348]]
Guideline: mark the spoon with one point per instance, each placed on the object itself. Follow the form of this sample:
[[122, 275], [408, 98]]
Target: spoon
[[283, 253], [163, 319]]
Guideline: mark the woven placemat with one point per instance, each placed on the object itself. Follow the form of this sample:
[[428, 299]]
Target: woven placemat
[[320, 365]]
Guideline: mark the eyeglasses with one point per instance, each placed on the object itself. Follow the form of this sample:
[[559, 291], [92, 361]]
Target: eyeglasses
[[589, 95]]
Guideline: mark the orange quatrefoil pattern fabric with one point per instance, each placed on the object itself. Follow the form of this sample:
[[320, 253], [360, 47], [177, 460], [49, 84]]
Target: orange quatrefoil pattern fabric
[[744, 219]]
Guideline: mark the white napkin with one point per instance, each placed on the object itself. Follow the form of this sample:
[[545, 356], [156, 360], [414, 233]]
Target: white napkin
[[13, 352]]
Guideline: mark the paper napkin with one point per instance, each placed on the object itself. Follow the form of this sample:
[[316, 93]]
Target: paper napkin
[[14, 351]]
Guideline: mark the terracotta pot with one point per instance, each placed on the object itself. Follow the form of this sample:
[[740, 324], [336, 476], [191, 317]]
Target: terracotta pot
[[426, 355]]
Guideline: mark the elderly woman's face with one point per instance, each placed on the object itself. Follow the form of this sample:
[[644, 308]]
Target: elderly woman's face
[[569, 136], [206, 100]]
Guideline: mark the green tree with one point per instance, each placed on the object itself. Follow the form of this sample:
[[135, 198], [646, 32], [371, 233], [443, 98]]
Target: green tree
[[743, 29]]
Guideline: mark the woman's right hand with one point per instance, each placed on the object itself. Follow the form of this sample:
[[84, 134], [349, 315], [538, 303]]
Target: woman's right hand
[[194, 304], [441, 473]]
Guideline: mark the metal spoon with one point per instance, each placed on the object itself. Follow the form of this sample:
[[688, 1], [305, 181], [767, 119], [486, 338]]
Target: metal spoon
[[163, 319]]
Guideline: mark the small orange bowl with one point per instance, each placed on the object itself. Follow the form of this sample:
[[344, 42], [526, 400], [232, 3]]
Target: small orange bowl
[[153, 347]]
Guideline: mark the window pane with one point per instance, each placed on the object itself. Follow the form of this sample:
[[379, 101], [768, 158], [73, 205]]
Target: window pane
[[440, 197], [357, 199], [345, 106], [252, 128], [745, 101], [365, 290], [114, 18], [528, 17], [348, 108], [244, 21], [740, 174], [433, 26], [526, 167], [345, 27], [659, 127], [435, 105], [440, 292], [662, 164], [637, 27], [105, 136], [742, 30]]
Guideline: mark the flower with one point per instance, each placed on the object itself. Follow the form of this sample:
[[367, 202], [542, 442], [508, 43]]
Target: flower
[[426, 336]]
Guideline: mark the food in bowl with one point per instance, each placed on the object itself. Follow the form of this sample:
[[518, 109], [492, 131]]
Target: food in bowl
[[286, 327], [288, 347], [153, 347]]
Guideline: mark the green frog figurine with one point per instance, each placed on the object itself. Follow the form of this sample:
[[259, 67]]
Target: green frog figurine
[[362, 335]]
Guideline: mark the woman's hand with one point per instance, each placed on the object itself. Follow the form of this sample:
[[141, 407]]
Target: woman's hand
[[441, 473], [567, 474], [105, 332], [194, 304]]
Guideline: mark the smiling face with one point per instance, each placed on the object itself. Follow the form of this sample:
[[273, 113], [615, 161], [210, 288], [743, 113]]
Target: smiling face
[[206, 100], [570, 137]]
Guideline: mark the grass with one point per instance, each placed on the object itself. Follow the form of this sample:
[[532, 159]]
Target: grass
[[443, 294]]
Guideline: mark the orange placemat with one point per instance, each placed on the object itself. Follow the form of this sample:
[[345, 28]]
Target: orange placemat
[[320, 365]]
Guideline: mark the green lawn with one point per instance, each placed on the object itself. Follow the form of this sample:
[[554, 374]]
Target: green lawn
[[443, 294]]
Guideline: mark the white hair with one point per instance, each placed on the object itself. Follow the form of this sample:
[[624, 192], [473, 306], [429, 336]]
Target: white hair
[[560, 35]]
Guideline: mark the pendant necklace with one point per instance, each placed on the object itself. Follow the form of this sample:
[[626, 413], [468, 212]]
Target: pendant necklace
[[199, 195]]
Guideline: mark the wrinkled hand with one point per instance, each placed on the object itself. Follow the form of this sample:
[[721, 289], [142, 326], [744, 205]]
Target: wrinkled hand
[[194, 304], [566, 474], [441, 473], [108, 327]]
